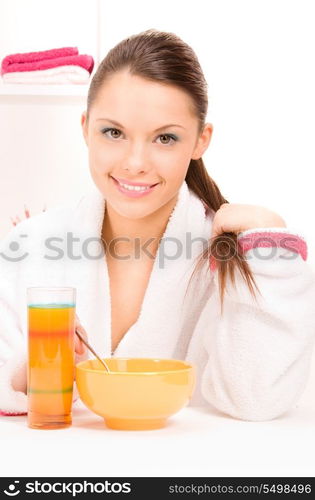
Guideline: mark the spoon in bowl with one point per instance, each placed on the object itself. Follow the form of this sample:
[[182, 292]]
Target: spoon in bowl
[[92, 350]]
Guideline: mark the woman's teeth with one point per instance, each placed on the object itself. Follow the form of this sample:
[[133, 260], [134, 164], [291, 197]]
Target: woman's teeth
[[135, 188]]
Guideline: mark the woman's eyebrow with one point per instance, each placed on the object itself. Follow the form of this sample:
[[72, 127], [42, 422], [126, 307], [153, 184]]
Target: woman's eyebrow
[[160, 128]]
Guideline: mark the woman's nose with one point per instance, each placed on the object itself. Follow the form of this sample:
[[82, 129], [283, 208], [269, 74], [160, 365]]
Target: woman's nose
[[136, 159]]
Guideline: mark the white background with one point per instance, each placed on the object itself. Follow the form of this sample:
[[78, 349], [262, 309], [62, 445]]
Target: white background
[[258, 59]]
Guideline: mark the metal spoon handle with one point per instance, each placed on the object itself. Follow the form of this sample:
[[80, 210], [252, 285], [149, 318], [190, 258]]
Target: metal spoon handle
[[92, 350]]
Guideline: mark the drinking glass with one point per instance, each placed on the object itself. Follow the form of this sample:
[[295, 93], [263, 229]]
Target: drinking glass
[[51, 356]]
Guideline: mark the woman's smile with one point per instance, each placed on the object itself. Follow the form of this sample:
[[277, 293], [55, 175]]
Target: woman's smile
[[133, 191]]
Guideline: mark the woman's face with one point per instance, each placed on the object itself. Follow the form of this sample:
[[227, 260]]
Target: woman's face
[[142, 133]]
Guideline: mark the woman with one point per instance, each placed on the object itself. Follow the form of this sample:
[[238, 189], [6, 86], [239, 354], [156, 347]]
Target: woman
[[138, 246]]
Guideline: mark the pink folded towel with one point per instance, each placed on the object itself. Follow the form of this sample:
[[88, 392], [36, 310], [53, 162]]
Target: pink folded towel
[[34, 61], [39, 56], [60, 75]]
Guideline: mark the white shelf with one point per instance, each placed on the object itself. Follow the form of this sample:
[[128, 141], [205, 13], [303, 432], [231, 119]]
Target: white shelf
[[20, 89]]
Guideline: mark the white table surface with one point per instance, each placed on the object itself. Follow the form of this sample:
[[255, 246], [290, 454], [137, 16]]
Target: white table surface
[[195, 442]]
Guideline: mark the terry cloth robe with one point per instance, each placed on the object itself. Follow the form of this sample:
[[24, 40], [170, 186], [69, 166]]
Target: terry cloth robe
[[252, 362]]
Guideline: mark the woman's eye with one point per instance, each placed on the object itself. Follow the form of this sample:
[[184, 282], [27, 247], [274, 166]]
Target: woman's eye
[[170, 139], [111, 130], [168, 136]]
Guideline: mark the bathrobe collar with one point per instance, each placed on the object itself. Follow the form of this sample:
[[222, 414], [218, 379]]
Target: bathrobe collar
[[158, 328]]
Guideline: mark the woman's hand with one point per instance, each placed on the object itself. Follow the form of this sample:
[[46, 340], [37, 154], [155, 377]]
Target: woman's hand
[[234, 218], [27, 216], [79, 347]]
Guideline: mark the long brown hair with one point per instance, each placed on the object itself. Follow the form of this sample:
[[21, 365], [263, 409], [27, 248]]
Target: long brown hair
[[163, 57]]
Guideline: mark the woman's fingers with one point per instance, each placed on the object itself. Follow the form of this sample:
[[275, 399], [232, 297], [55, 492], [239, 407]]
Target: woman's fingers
[[79, 346], [18, 219]]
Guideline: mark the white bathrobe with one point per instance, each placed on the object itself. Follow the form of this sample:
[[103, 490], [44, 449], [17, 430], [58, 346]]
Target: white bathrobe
[[252, 361]]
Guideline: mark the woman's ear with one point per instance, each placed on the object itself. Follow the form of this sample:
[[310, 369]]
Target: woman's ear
[[203, 141], [84, 127]]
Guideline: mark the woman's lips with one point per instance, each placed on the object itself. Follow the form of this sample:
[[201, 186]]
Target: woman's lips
[[133, 193]]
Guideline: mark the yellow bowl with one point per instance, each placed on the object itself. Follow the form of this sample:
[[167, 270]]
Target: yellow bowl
[[138, 393]]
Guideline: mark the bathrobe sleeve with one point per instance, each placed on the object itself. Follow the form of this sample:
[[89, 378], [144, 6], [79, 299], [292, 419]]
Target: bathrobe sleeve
[[13, 341], [259, 354], [13, 399]]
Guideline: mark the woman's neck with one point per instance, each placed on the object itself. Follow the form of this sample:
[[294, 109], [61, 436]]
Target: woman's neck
[[133, 236]]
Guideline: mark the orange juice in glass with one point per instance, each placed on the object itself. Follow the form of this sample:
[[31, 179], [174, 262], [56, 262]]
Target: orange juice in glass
[[51, 357]]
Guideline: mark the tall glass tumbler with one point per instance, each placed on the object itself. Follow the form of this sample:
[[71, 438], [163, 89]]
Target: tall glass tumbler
[[51, 356]]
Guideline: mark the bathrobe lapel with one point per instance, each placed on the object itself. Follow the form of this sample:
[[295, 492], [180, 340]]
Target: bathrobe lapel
[[159, 326]]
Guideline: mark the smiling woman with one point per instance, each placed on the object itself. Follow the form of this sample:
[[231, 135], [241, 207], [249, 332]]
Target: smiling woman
[[138, 91], [160, 218]]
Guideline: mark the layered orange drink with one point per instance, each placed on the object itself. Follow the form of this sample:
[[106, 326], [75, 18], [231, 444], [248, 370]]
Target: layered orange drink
[[51, 364]]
